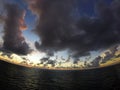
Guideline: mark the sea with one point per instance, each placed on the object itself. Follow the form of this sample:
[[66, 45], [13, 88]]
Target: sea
[[14, 77]]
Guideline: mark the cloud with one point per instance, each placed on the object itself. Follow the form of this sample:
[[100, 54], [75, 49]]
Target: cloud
[[53, 18], [2, 18], [58, 29], [14, 24], [102, 31]]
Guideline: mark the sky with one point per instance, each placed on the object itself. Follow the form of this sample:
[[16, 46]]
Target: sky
[[70, 27], [85, 7]]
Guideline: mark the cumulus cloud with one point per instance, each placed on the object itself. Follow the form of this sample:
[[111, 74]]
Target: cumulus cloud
[[58, 29], [14, 24]]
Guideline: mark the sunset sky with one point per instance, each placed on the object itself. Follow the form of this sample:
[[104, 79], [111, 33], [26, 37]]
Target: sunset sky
[[80, 27]]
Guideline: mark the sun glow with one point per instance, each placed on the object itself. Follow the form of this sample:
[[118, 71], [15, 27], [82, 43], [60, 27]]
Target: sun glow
[[35, 57]]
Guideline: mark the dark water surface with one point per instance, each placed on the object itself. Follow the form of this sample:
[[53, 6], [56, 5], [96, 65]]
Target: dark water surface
[[13, 77]]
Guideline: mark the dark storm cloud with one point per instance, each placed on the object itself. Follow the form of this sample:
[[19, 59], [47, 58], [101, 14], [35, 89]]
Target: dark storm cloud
[[58, 30], [13, 38], [102, 31], [55, 24], [1, 11]]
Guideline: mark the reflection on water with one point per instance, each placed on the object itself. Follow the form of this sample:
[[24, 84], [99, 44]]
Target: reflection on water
[[14, 77]]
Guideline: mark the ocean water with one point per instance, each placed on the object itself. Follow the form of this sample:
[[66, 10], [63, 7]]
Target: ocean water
[[13, 77]]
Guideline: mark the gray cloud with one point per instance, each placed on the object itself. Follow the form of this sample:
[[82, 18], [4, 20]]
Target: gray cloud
[[13, 38], [58, 29]]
